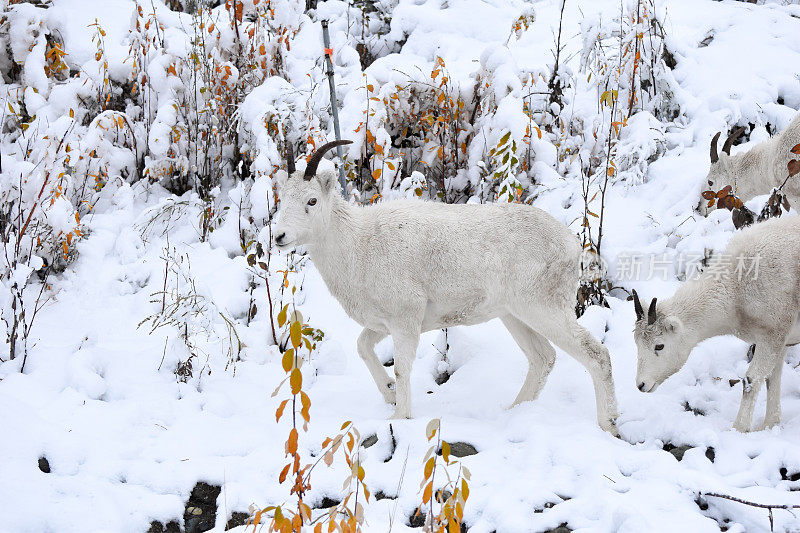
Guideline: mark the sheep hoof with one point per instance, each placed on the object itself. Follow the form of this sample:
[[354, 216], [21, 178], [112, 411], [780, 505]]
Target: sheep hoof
[[611, 427], [768, 424], [741, 427]]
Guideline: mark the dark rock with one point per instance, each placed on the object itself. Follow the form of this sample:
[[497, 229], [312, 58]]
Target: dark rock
[[442, 378], [44, 464], [157, 527], [711, 454], [460, 449], [696, 410], [237, 519], [369, 441], [701, 503], [562, 528], [327, 503], [676, 451], [417, 518], [785, 476], [380, 495], [201, 509]]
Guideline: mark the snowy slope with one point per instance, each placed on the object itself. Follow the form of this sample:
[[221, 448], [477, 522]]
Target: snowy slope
[[126, 441]]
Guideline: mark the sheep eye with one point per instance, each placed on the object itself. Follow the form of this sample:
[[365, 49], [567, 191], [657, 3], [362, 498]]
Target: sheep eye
[[659, 347], [312, 201]]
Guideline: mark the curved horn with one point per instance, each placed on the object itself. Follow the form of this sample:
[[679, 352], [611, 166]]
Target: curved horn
[[651, 313], [714, 154], [637, 305], [316, 157], [732, 137], [289, 158]]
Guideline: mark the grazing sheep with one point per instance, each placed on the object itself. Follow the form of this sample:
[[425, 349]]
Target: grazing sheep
[[758, 170], [751, 291], [404, 267]]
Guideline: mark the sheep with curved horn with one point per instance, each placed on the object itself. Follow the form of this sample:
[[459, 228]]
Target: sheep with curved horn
[[404, 267], [758, 170], [751, 291]]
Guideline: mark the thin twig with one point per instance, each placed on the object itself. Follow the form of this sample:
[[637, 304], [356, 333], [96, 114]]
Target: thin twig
[[767, 506]]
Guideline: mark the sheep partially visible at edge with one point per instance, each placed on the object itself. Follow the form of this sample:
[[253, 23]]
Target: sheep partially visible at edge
[[758, 170], [751, 291]]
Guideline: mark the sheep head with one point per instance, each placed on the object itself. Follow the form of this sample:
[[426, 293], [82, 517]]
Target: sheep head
[[306, 199], [720, 174], [660, 341]]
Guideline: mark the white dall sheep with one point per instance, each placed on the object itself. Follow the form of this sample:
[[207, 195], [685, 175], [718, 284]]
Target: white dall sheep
[[404, 267], [751, 291], [758, 170]]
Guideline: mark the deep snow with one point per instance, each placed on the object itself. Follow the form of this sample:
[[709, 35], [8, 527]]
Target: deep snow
[[126, 442]]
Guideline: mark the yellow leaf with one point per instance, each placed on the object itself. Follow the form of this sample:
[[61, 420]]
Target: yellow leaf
[[376, 174], [305, 401], [295, 334], [296, 380], [446, 451], [288, 360], [370, 87], [429, 467], [454, 526], [282, 316]]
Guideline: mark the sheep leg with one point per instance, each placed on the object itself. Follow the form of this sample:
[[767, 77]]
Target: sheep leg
[[540, 354], [574, 339], [405, 350], [766, 357], [366, 349], [773, 414]]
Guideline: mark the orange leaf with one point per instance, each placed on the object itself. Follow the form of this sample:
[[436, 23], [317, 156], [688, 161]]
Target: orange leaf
[[291, 444], [426, 494], [279, 412], [376, 174], [284, 473], [796, 149]]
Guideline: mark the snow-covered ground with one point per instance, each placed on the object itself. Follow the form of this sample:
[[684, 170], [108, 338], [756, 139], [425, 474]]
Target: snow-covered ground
[[126, 441]]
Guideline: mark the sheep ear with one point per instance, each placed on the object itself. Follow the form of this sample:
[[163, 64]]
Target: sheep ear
[[327, 180], [280, 177], [672, 324]]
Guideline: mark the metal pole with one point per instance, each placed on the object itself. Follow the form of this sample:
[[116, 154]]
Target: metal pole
[[326, 38]]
